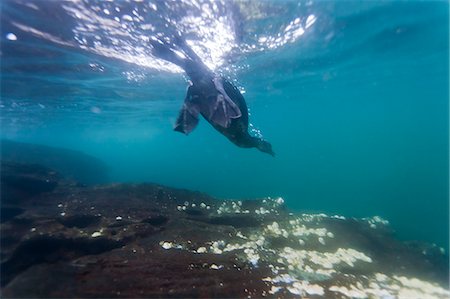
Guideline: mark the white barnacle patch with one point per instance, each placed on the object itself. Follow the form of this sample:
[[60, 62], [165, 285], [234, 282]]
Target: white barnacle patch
[[231, 207], [418, 286], [201, 250], [260, 241], [350, 292], [215, 267], [240, 235], [304, 288], [312, 217], [298, 270], [217, 247], [262, 211], [166, 245], [279, 201], [382, 286], [96, 234], [169, 245], [275, 289], [269, 206], [252, 256], [376, 221], [273, 228], [305, 264]]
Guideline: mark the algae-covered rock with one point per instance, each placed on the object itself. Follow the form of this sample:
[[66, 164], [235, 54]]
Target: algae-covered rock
[[147, 240]]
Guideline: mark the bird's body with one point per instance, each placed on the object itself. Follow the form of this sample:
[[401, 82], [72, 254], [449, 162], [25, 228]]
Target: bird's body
[[212, 96]]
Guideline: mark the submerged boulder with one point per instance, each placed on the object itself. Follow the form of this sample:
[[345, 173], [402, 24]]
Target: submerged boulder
[[72, 164], [147, 240]]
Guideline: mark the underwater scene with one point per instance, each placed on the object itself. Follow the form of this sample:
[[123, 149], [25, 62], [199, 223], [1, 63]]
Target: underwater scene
[[224, 149]]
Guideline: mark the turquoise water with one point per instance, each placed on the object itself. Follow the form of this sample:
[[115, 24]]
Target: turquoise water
[[352, 95]]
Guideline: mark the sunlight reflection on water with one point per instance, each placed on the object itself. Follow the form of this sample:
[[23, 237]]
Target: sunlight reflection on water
[[121, 30]]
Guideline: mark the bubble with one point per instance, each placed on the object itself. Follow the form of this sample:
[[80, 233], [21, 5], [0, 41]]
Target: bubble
[[127, 18], [96, 110], [11, 36]]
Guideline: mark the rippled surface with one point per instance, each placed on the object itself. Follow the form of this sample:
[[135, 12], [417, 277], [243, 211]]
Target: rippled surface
[[122, 29], [89, 48], [353, 96]]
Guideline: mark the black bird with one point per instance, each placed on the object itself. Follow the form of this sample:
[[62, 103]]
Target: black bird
[[210, 95]]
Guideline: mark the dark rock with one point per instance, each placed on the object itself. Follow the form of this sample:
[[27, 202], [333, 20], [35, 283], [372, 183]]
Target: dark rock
[[7, 213], [79, 221], [21, 181], [72, 164], [235, 221], [157, 220], [50, 249]]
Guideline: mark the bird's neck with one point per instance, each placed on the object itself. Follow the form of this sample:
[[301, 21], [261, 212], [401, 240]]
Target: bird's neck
[[198, 71]]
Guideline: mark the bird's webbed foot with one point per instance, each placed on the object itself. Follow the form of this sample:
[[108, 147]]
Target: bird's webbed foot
[[189, 115]]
